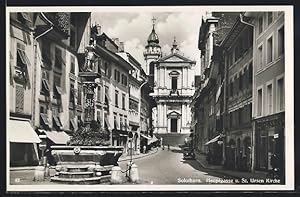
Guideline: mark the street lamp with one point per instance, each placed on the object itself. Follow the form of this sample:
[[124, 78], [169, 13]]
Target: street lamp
[[140, 102]]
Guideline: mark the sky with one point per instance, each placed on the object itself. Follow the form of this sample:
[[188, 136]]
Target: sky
[[133, 28]]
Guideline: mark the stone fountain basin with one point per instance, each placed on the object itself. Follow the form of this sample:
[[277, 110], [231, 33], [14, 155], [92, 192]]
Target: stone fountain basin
[[90, 156]]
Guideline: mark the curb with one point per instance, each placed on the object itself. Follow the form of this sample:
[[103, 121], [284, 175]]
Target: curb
[[138, 157]]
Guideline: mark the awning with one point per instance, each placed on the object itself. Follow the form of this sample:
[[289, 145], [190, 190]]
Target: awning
[[154, 139], [21, 132], [58, 137], [144, 136], [213, 140]]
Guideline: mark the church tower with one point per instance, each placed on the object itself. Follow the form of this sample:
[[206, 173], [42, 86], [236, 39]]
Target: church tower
[[152, 50]]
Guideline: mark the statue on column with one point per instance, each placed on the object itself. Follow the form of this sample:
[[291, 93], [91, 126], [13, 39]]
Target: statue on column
[[89, 59]]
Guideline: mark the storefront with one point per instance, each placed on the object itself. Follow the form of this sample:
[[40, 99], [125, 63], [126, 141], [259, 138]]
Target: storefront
[[23, 143], [269, 141]]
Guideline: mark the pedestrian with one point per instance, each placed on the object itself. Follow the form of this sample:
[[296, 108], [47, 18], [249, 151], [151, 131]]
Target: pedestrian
[[144, 149], [168, 146]]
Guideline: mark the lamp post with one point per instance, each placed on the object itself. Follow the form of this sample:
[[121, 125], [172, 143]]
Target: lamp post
[[140, 102]]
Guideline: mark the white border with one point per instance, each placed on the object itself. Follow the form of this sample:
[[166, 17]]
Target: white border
[[289, 105]]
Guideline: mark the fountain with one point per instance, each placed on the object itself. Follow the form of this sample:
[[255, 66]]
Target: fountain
[[88, 158]]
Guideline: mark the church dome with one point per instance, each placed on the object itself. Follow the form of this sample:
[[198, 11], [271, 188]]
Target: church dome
[[153, 37]]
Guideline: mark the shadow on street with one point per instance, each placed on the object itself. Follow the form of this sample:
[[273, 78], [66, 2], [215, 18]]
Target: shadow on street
[[193, 163]]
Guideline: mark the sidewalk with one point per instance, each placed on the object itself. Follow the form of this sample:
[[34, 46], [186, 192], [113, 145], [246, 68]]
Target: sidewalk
[[201, 159], [141, 155]]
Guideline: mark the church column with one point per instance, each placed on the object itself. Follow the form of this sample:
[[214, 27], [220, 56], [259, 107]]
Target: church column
[[183, 76], [166, 77], [187, 76], [165, 116], [158, 115], [158, 77]]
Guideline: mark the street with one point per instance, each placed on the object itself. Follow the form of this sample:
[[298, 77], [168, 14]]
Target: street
[[168, 167]]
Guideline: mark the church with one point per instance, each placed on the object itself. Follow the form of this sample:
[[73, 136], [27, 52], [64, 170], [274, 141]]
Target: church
[[172, 77]]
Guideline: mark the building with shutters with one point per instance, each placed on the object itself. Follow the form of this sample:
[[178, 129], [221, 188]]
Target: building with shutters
[[238, 57], [208, 101], [112, 102], [23, 140], [58, 92]]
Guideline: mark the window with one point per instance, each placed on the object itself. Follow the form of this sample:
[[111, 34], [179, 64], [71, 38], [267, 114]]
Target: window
[[270, 50], [115, 75], [250, 73], [43, 116], [231, 89], [281, 41], [99, 94], [22, 63], [72, 96], [98, 116], [99, 63], [19, 98], [259, 102], [57, 87], [79, 98], [72, 65], [270, 17], [174, 83], [260, 25], [241, 81], [116, 98], [124, 80], [72, 37], [118, 76], [45, 83], [58, 58], [46, 52], [236, 53], [280, 94], [260, 57], [123, 101], [269, 98]]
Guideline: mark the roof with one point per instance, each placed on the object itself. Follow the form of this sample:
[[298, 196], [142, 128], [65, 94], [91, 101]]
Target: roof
[[153, 37], [181, 57], [112, 56]]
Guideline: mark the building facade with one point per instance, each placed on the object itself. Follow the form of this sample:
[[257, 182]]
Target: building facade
[[238, 56], [58, 92], [22, 138], [268, 89], [208, 104]]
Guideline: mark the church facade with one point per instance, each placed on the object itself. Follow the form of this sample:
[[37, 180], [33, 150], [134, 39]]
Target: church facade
[[173, 87]]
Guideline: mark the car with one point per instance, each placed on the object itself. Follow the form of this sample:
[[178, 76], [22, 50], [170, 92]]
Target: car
[[188, 153]]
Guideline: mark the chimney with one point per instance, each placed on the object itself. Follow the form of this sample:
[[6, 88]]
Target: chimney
[[121, 47], [116, 41]]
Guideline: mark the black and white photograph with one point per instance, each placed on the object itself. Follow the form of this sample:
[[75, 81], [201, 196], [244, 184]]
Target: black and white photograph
[[150, 98]]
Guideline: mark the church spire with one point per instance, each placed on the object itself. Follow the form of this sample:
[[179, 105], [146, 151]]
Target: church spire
[[174, 48], [153, 37]]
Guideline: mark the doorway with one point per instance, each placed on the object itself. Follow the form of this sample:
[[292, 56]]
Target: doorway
[[174, 125]]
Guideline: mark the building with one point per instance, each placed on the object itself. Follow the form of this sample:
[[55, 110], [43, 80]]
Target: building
[[208, 100], [58, 91], [268, 89], [22, 138], [237, 49], [113, 89], [136, 81]]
